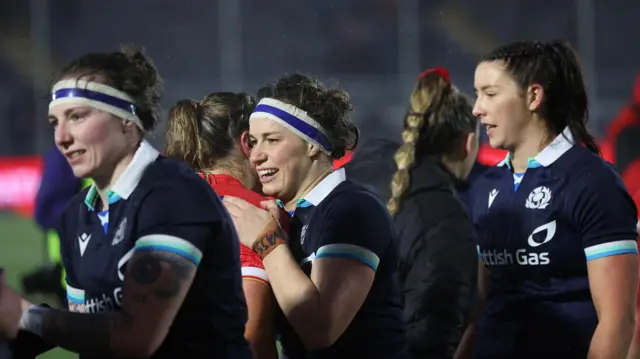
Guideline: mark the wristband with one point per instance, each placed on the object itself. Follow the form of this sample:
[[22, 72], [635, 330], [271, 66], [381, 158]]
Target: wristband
[[32, 319], [267, 242]]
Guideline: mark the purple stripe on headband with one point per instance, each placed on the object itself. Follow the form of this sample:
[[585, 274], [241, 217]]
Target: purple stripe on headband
[[298, 124], [96, 96]]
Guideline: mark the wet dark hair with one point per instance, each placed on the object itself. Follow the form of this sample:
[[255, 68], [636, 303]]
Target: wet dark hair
[[554, 66], [439, 118], [128, 70], [202, 133], [327, 106]]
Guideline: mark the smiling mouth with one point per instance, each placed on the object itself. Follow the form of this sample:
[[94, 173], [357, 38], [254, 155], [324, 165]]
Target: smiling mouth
[[74, 154], [267, 174]]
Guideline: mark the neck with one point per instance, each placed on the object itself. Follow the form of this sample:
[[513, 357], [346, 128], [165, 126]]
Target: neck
[[528, 148], [315, 178], [232, 168], [455, 167], [105, 182]]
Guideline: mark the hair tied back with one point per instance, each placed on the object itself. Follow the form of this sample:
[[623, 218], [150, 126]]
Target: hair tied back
[[441, 71]]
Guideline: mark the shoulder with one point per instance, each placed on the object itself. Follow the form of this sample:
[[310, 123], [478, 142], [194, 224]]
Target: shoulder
[[350, 196], [172, 190], [585, 169], [173, 178]]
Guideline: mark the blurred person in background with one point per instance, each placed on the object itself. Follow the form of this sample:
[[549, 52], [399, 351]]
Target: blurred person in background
[[211, 136], [144, 277], [57, 187], [555, 225], [418, 180], [335, 278], [628, 116]]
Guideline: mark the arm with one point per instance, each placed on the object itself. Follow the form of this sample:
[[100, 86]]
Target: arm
[[606, 217], [321, 307], [173, 227], [634, 350], [259, 330], [156, 283], [441, 278], [354, 234], [614, 296]]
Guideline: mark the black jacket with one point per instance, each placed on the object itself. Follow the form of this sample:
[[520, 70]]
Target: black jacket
[[438, 256]]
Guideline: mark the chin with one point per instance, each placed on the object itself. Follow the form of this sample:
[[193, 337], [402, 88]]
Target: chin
[[495, 143], [270, 191], [81, 173]]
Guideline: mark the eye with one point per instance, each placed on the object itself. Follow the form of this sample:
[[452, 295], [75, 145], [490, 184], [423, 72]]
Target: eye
[[273, 140], [79, 115], [251, 142], [53, 123]]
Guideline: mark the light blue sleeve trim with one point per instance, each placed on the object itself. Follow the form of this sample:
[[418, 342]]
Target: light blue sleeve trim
[[173, 244], [75, 295], [349, 251], [611, 249]]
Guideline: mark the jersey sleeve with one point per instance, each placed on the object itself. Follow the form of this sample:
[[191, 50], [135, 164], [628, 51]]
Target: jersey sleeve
[[252, 267], [605, 216], [355, 226], [180, 218]]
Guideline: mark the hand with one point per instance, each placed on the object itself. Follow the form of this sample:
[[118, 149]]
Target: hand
[[251, 221], [11, 308]]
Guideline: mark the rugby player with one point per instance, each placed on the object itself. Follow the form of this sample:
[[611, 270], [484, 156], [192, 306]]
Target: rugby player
[[335, 278], [150, 254], [556, 226], [211, 136]]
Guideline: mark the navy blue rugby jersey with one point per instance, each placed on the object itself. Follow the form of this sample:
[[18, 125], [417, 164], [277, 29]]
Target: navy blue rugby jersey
[[342, 219], [536, 233], [162, 205]]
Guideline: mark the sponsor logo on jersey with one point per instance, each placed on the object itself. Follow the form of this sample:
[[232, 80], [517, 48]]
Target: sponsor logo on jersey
[[523, 256]]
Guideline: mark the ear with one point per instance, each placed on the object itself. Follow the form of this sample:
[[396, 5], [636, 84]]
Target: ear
[[535, 95], [244, 144], [312, 150], [128, 126]]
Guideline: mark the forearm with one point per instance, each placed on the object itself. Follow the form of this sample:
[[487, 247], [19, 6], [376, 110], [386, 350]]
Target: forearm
[[611, 340], [297, 295], [467, 343], [634, 348], [104, 334]]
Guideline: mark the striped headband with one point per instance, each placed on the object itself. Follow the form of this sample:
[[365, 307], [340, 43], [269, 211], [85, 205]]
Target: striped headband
[[296, 120], [93, 94]]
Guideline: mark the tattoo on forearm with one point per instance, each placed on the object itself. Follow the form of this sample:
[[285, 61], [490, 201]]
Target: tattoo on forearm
[[151, 275]]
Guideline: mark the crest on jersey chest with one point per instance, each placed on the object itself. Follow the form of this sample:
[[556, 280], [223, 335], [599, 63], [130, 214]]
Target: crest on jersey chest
[[539, 198], [120, 232]]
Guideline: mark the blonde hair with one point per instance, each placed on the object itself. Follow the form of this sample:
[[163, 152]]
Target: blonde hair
[[439, 117], [206, 133]]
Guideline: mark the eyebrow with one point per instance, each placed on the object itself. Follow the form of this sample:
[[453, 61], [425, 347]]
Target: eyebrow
[[486, 87], [67, 112], [266, 134]]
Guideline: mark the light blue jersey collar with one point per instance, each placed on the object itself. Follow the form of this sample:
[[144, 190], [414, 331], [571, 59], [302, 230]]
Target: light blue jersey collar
[[128, 181]]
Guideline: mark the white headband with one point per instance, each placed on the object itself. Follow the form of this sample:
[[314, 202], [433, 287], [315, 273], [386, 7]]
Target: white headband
[[93, 94], [296, 120]]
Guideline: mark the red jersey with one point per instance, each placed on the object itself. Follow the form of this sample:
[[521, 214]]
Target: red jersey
[[225, 185]]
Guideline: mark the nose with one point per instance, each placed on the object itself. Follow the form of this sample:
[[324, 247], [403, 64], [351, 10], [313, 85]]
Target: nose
[[478, 110], [257, 155], [61, 136]]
